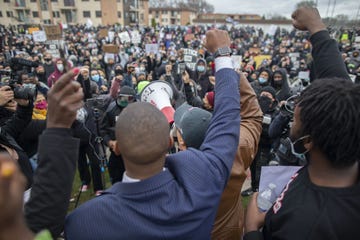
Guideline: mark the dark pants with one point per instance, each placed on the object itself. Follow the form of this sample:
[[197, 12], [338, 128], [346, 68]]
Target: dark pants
[[262, 158], [116, 168], [87, 151]]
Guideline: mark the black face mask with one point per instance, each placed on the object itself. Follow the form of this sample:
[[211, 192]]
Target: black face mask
[[278, 83], [265, 104], [118, 72]]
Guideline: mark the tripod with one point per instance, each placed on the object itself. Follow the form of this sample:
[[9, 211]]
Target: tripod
[[96, 143], [99, 141]]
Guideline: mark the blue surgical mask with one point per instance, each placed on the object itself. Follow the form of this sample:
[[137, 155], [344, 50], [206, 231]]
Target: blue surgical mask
[[95, 78], [201, 68], [262, 80], [295, 149]]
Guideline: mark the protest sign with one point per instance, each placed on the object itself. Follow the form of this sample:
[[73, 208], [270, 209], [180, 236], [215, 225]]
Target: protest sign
[[103, 33], [111, 36], [53, 47], [53, 32], [135, 37], [190, 58], [254, 50], [261, 59], [124, 37], [39, 36], [272, 30], [152, 48], [33, 29], [304, 75], [110, 48], [278, 175]]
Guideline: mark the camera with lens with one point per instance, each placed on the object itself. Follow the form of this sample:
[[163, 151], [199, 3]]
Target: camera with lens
[[17, 66]]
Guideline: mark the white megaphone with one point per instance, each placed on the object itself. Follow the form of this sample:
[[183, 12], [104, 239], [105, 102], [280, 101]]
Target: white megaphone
[[159, 93]]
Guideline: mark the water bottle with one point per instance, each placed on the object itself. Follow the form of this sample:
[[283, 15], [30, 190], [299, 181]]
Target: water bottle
[[266, 198]]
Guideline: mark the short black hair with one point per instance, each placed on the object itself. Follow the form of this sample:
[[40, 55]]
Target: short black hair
[[142, 133], [330, 114]]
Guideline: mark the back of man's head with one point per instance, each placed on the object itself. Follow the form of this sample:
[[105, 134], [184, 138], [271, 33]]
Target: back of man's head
[[142, 133], [330, 114]]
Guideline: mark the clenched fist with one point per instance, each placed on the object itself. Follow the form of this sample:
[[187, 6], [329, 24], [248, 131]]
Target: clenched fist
[[64, 99], [216, 39], [307, 18]]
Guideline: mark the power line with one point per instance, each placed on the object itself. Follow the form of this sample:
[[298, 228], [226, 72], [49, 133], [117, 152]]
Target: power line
[[327, 10], [332, 14]]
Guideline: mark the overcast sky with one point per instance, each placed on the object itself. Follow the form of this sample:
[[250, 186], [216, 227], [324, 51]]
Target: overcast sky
[[284, 7]]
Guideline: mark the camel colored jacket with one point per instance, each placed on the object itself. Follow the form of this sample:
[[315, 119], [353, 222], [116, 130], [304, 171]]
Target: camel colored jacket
[[230, 216]]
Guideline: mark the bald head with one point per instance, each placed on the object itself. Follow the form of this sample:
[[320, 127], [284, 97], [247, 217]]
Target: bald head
[[142, 133]]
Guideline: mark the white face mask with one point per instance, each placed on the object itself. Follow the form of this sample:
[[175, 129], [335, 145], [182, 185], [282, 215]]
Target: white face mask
[[60, 67]]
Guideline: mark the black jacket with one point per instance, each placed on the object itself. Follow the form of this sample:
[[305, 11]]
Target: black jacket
[[107, 126], [308, 211], [9, 136], [50, 194]]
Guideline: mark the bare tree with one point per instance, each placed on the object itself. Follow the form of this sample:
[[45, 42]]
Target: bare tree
[[306, 4]]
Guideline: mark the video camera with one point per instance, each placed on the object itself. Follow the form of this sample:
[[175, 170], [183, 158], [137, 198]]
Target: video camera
[[17, 67]]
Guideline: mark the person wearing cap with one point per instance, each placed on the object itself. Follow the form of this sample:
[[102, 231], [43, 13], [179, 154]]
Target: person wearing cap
[[126, 96], [191, 125], [167, 196]]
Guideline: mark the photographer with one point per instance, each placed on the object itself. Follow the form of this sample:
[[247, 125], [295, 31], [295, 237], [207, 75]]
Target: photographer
[[12, 129], [116, 166]]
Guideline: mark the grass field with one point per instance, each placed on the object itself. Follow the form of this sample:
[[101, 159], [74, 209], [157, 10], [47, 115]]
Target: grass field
[[85, 196]]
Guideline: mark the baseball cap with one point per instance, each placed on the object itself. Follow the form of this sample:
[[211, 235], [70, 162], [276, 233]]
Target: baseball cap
[[192, 123]]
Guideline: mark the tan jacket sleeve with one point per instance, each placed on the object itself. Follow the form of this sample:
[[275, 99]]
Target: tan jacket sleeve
[[230, 217]]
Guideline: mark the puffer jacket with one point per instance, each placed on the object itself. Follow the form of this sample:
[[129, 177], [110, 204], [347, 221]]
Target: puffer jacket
[[230, 216]]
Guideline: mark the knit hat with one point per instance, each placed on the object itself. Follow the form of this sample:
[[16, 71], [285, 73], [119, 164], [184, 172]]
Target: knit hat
[[126, 90], [192, 123], [210, 97], [270, 90]]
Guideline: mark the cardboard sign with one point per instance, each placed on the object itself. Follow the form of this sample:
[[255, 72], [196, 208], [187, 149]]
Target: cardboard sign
[[39, 36], [152, 48], [110, 48], [53, 32], [124, 37], [103, 33], [254, 50], [135, 37], [190, 58], [168, 36]]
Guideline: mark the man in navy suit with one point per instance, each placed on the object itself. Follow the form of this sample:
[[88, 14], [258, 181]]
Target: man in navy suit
[[167, 197]]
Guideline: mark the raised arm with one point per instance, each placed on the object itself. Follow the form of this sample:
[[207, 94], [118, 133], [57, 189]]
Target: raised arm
[[222, 137], [58, 153], [325, 52]]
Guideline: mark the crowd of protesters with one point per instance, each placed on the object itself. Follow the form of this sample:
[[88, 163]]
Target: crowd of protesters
[[277, 66]]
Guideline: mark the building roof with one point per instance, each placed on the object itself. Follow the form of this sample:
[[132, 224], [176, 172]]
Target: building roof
[[171, 9], [243, 21]]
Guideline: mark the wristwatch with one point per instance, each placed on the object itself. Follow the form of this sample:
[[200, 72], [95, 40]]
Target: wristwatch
[[222, 52]]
